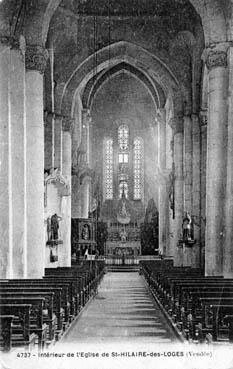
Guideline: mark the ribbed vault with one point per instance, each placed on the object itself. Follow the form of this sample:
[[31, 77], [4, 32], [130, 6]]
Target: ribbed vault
[[96, 83]]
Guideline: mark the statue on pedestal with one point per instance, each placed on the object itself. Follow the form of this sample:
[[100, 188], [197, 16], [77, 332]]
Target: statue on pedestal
[[54, 226], [86, 232], [187, 223], [123, 235]]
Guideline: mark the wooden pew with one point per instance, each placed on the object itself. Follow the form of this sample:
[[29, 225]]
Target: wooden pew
[[229, 320], [21, 313], [75, 291], [80, 278], [48, 310], [6, 331], [53, 300], [219, 310], [183, 291], [66, 299], [38, 304]]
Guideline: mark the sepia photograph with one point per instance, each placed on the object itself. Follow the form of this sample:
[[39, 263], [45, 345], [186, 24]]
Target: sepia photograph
[[116, 184]]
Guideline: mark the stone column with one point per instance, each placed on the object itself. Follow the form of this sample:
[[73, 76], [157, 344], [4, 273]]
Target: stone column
[[65, 254], [196, 190], [203, 120], [90, 141], [161, 120], [163, 183], [85, 197], [85, 133], [216, 61], [48, 141], [227, 246], [58, 136], [85, 186], [188, 157], [6, 254], [19, 162], [188, 151], [35, 59], [13, 228], [178, 132]]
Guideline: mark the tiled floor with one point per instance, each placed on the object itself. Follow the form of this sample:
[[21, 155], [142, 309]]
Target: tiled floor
[[123, 310]]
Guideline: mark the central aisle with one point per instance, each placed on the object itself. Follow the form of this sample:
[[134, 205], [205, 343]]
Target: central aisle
[[123, 310]]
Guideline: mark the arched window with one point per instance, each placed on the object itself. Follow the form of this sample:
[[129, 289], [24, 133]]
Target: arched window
[[123, 186], [123, 159], [123, 138], [138, 168], [108, 168]]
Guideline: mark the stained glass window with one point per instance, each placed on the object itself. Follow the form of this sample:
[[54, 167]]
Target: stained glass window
[[108, 168], [123, 186], [123, 138], [138, 168], [123, 158]]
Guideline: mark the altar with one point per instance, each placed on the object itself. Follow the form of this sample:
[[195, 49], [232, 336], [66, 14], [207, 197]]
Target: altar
[[129, 248]]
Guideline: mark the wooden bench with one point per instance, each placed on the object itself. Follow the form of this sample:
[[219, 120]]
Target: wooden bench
[[21, 313], [38, 303], [6, 331], [66, 297], [184, 292], [49, 316]]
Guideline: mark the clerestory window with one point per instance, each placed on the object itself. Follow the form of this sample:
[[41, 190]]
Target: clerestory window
[[138, 168], [108, 168]]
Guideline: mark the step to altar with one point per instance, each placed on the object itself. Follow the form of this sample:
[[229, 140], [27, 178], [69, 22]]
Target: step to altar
[[123, 268]]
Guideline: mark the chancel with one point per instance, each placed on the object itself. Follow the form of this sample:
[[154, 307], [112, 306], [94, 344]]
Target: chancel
[[116, 172]]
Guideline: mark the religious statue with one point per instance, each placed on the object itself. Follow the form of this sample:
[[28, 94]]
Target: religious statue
[[85, 232], [123, 235], [54, 226], [187, 222]]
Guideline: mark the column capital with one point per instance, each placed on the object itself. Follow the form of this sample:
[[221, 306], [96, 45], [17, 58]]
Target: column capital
[[67, 124], [36, 58], [14, 43], [216, 55], [177, 124]]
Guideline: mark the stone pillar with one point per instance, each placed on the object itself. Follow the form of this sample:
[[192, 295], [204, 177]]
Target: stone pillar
[[161, 120], [178, 132], [58, 136], [227, 246], [53, 141], [48, 141], [13, 228], [85, 197], [163, 213], [85, 181], [188, 150], [35, 59], [90, 140], [5, 165], [65, 255], [85, 133], [196, 190], [19, 163], [163, 183], [188, 157], [203, 120], [216, 159]]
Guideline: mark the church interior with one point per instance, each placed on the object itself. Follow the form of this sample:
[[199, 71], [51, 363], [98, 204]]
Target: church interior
[[116, 171]]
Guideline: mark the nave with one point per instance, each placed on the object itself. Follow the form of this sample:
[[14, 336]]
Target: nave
[[122, 311], [116, 145]]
